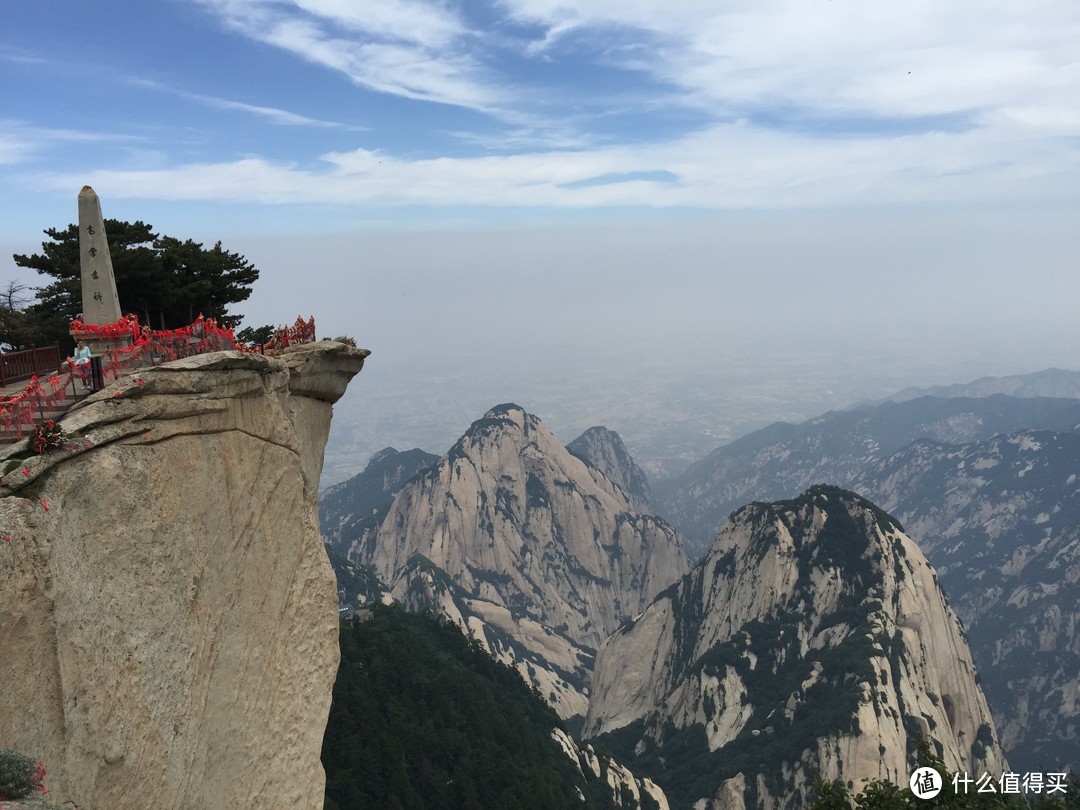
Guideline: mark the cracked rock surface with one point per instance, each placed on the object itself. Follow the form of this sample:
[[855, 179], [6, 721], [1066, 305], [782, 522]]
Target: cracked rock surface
[[168, 617]]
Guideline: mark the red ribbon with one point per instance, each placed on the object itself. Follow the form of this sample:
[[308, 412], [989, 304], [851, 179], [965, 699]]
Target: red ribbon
[[167, 344]]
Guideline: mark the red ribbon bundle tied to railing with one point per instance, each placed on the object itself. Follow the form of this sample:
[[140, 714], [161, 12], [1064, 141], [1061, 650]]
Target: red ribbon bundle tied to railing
[[148, 347]]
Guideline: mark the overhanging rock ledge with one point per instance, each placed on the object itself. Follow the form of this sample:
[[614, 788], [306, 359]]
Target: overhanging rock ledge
[[168, 618]]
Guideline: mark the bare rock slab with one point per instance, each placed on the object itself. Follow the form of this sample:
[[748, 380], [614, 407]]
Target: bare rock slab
[[168, 617]]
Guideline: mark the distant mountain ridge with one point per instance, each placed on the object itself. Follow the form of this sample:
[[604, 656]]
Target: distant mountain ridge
[[1051, 382], [543, 553], [783, 459], [988, 487]]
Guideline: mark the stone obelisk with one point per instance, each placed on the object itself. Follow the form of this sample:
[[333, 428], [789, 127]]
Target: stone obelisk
[[100, 303]]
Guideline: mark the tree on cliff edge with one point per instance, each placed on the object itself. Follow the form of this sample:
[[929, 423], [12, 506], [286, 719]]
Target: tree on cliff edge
[[165, 281]]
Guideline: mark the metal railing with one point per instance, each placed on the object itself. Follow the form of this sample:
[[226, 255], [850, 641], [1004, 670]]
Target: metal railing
[[49, 377]]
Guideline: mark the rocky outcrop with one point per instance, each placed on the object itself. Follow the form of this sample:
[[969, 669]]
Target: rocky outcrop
[[812, 640], [357, 584], [604, 451], [627, 790], [1000, 521], [537, 554], [351, 511], [168, 617]]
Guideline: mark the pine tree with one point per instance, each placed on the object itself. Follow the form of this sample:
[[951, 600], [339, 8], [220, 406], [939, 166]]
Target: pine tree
[[165, 281]]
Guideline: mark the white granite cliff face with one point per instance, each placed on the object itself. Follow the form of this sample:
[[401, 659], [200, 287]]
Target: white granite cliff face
[[812, 640], [627, 790], [1000, 520], [168, 625], [537, 554], [603, 450]]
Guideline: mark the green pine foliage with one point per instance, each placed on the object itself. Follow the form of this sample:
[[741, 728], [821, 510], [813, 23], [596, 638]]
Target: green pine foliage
[[19, 775], [884, 795], [165, 281], [423, 718]]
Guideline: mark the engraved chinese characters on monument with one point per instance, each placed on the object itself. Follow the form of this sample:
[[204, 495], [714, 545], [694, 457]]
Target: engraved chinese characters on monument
[[100, 302]]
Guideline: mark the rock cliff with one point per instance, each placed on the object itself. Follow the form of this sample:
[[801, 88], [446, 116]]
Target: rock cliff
[[812, 640], [168, 620], [627, 790], [1000, 521], [353, 509], [536, 552], [604, 451]]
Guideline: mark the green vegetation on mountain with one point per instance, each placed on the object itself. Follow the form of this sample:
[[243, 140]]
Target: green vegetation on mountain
[[357, 584], [423, 717], [353, 509], [768, 655], [956, 794], [682, 762]]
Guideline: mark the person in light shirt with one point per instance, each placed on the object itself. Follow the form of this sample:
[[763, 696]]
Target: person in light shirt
[[82, 362]]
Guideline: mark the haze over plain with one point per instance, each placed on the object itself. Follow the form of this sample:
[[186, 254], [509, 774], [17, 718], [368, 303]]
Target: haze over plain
[[723, 214]]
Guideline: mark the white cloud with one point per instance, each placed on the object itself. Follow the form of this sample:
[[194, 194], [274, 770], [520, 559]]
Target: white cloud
[[1050, 119], [20, 141], [844, 57], [13, 150], [729, 166], [843, 61], [21, 59], [429, 24], [795, 104], [411, 49], [272, 114]]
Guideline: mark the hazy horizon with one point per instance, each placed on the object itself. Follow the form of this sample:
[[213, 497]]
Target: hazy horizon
[[817, 308], [651, 202]]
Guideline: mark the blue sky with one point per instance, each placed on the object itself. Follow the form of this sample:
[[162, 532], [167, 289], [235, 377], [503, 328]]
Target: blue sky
[[275, 114], [398, 156]]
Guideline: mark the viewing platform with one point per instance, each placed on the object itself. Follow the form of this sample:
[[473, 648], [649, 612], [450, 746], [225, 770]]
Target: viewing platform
[[35, 384], [40, 383], [57, 384]]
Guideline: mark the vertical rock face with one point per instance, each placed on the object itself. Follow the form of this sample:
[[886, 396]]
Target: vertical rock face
[[353, 509], [812, 640], [538, 554], [168, 624], [1000, 519], [603, 450]]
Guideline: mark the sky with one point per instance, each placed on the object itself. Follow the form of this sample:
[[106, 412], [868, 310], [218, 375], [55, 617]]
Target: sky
[[503, 179]]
